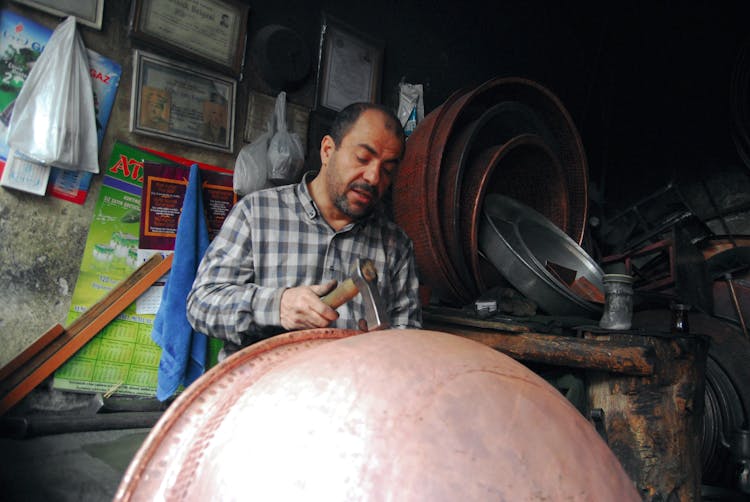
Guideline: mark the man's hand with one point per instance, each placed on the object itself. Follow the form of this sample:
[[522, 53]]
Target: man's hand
[[302, 308]]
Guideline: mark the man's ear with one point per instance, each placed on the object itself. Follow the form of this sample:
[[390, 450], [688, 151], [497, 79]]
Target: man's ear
[[327, 146]]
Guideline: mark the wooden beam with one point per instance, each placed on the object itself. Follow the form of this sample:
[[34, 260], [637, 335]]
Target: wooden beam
[[31, 373], [559, 350], [454, 316]]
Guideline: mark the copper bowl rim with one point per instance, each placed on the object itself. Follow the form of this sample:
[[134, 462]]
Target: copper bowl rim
[[192, 394], [493, 157]]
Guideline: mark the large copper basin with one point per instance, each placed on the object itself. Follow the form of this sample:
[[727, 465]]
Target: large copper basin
[[430, 183], [392, 415]]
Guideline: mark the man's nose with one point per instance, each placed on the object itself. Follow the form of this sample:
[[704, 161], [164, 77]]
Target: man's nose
[[372, 173]]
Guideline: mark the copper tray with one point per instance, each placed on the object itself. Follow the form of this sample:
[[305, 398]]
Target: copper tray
[[406, 415]]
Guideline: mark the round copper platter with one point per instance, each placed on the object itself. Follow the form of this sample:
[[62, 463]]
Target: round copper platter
[[406, 415]]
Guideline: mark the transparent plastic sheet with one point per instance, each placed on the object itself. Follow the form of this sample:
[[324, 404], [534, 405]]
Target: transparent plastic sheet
[[285, 153], [53, 118]]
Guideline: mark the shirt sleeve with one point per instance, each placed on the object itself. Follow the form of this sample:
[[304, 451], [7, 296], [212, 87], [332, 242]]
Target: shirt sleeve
[[224, 302], [406, 310]]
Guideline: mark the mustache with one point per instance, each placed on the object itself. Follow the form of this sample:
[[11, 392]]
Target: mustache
[[364, 187]]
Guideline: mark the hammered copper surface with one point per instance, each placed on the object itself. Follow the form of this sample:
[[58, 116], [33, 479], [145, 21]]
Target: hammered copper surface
[[166, 464], [492, 171], [539, 111], [415, 208], [408, 415], [459, 150]]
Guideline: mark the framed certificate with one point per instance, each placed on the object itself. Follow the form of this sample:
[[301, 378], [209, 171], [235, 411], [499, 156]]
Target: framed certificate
[[350, 66], [86, 12], [174, 101], [211, 32]]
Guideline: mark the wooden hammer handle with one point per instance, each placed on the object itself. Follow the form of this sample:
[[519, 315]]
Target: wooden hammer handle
[[342, 294]]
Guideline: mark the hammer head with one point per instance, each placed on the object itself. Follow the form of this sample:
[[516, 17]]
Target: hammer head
[[365, 278]]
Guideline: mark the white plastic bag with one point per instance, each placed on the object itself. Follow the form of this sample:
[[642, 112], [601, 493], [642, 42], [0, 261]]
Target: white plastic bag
[[410, 106], [252, 165], [285, 152], [53, 117]]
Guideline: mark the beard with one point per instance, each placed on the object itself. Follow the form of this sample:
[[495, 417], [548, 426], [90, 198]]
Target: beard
[[339, 197], [356, 212]]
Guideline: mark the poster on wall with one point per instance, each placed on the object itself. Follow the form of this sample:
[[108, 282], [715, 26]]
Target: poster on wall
[[164, 188], [122, 357], [21, 43]]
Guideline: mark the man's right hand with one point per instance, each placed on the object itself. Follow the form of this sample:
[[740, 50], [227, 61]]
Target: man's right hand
[[302, 308]]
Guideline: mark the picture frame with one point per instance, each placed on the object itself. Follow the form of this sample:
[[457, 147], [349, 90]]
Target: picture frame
[[210, 32], [260, 110], [173, 101], [87, 12], [350, 66]]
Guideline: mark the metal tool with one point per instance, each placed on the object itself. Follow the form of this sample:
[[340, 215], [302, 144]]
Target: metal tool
[[364, 281]]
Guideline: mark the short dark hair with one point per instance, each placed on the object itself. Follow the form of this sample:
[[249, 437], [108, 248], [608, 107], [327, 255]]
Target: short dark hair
[[346, 118]]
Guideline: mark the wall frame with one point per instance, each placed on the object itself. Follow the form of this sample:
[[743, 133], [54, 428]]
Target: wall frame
[[210, 32], [86, 12], [350, 66], [173, 101], [261, 109]]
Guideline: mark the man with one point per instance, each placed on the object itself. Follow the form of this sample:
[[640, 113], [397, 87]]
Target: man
[[283, 248]]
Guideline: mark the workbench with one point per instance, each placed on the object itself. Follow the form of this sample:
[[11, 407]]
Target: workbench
[[644, 390]]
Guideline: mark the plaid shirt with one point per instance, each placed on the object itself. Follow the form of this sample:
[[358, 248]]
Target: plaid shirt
[[274, 239]]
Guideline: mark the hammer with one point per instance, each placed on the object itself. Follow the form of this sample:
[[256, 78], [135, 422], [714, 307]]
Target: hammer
[[363, 280]]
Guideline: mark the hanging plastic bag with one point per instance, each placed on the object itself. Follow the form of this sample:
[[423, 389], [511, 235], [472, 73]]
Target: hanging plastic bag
[[285, 153], [410, 106], [53, 117], [252, 166]]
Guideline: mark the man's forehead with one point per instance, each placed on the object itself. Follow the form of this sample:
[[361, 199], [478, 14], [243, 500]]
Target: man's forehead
[[369, 123]]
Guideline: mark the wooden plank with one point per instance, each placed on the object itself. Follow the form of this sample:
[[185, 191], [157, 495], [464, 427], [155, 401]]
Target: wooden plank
[[462, 320], [558, 350], [32, 350], [81, 331]]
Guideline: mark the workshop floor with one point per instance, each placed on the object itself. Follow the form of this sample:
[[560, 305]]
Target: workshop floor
[[76, 467]]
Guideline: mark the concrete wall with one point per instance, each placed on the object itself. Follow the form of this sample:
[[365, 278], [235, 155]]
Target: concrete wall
[[42, 238]]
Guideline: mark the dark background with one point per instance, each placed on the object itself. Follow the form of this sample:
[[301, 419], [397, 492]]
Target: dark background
[[647, 83]]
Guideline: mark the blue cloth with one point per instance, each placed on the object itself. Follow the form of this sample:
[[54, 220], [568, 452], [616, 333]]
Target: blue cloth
[[183, 356]]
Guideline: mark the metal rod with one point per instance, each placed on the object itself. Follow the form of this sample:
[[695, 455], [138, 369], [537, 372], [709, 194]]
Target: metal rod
[[736, 303]]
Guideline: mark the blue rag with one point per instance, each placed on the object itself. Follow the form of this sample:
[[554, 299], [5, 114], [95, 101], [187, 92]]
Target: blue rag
[[183, 356]]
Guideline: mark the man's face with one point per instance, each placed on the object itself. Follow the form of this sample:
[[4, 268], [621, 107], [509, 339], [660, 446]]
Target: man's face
[[361, 168]]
